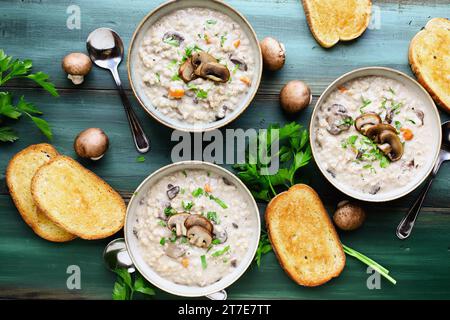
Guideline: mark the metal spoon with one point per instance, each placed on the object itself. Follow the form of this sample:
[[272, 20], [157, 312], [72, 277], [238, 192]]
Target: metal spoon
[[405, 227], [106, 50]]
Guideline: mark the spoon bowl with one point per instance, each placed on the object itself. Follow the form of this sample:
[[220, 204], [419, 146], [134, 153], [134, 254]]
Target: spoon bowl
[[105, 48]]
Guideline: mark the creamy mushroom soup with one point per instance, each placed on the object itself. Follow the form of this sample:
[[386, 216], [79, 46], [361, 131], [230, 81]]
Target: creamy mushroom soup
[[371, 134], [198, 65], [194, 227]]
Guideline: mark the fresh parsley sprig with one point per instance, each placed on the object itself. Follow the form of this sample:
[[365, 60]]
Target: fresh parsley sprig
[[125, 286], [263, 247], [16, 69], [294, 153]]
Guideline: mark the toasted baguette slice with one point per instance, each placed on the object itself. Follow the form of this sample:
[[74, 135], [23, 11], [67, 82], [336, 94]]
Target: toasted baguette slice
[[334, 20], [77, 200], [303, 237], [429, 56], [19, 173]]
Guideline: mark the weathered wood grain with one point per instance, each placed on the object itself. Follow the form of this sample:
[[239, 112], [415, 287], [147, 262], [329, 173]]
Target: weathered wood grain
[[36, 29], [33, 29]]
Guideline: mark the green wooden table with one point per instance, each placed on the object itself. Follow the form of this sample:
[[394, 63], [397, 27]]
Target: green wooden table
[[36, 29]]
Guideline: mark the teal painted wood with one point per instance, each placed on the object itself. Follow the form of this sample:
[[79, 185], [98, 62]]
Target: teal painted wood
[[32, 267]]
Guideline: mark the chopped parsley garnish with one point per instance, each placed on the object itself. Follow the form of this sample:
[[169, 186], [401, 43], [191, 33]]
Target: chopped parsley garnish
[[189, 50], [410, 120], [384, 162], [221, 252], [162, 241], [212, 215], [173, 238], [211, 22], [162, 223], [349, 141], [187, 205], [203, 260], [199, 93], [218, 201], [223, 39], [158, 77], [169, 211], [172, 41], [347, 121], [398, 125], [216, 242], [365, 103], [235, 68], [391, 90], [197, 192], [173, 63], [176, 77]]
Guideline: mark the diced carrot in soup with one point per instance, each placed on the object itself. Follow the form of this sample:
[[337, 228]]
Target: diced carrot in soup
[[176, 93]]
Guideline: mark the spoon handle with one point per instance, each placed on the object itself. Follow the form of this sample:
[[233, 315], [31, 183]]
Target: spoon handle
[[139, 137], [405, 226]]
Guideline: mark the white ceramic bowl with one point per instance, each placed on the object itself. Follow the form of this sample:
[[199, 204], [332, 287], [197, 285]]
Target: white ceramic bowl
[[133, 245], [135, 64], [431, 112]]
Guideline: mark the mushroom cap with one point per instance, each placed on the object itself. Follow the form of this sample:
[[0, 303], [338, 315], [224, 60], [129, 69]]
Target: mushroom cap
[[199, 237], [77, 64], [295, 96], [273, 53], [176, 222], [374, 132], [337, 118], [186, 71], [213, 71], [91, 143], [239, 62], [201, 57], [365, 121], [392, 138], [198, 220], [349, 216]]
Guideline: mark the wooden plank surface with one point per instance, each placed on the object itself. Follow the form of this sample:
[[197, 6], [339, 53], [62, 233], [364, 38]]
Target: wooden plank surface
[[34, 29]]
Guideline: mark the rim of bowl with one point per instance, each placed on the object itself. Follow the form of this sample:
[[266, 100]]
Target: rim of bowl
[[170, 124], [326, 93], [226, 173]]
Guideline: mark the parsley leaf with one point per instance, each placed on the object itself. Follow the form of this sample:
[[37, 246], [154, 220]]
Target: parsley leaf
[[221, 252], [294, 153], [140, 159], [8, 135], [197, 192], [125, 286], [14, 68], [263, 247], [212, 215]]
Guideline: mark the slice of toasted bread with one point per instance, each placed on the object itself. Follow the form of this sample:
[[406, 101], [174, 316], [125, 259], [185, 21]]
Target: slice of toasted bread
[[19, 173], [334, 20], [303, 237], [429, 56], [77, 200]]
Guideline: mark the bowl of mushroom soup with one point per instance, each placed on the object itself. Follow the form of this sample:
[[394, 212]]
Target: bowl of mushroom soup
[[375, 134], [192, 228], [194, 65]]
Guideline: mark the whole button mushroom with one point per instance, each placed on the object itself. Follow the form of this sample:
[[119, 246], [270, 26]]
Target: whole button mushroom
[[349, 216], [91, 143], [273, 53], [77, 65], [295, 96]]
